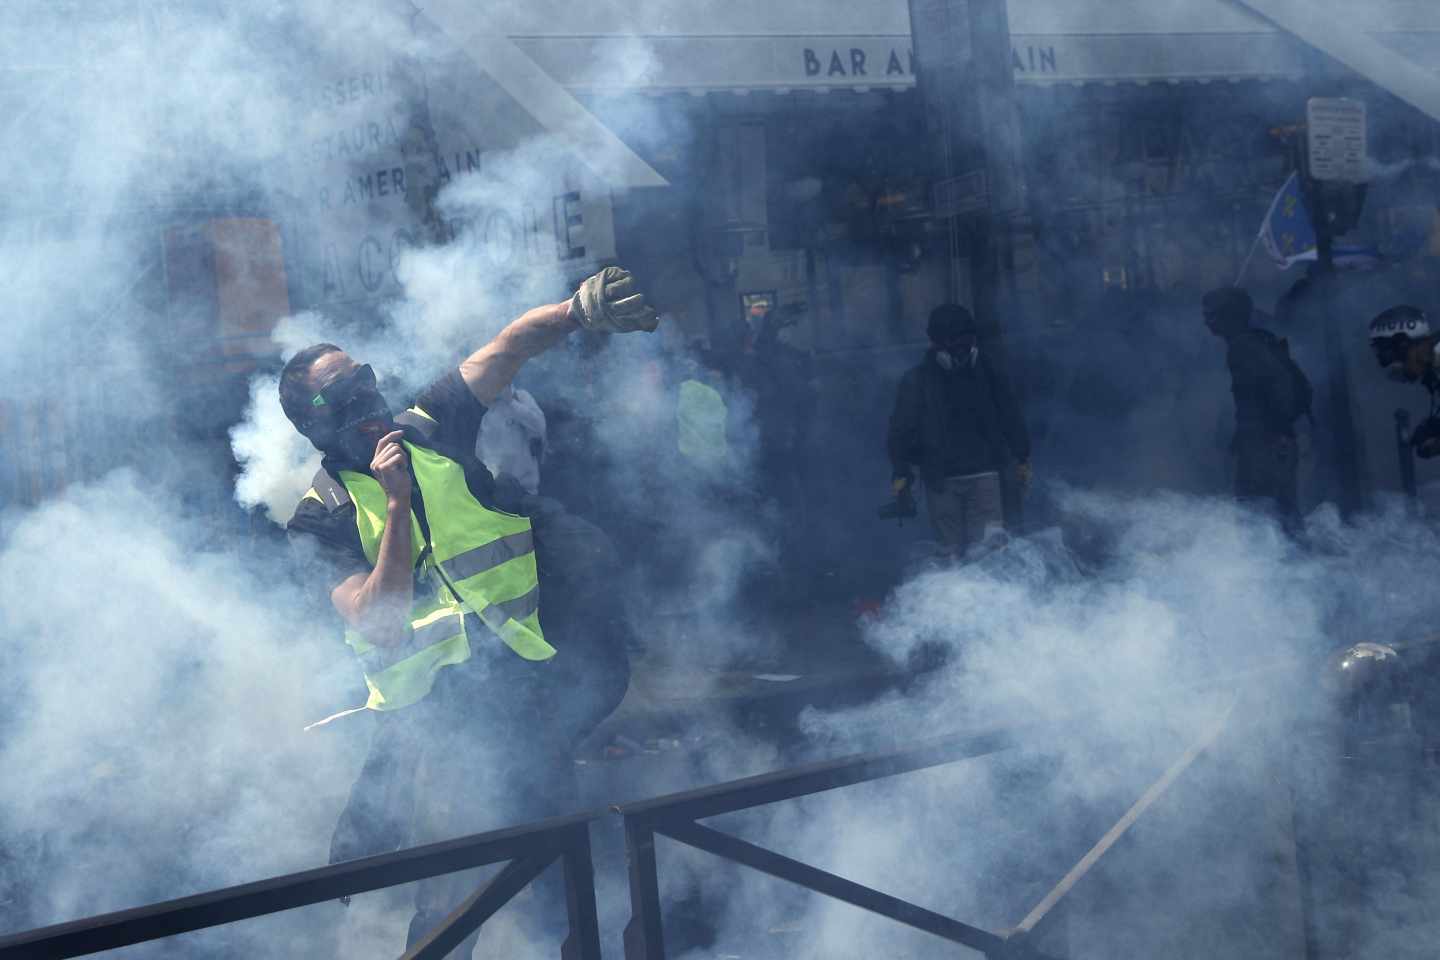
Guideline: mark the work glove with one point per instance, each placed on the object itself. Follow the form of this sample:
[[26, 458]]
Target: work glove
[[610, 303]]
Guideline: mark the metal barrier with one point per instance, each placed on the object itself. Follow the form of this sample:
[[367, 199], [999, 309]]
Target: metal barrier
[[1406, 454], [529, 848], [674, 816]]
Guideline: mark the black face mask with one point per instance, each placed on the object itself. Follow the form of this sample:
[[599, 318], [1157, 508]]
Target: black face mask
[[1391, 353], [341, 408]]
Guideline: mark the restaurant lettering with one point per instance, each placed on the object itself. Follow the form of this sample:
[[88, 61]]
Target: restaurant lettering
[[855, 62]]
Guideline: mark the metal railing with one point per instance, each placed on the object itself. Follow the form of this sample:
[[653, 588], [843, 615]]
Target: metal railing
[[529, 849], [1406, 454], [675, 816], [533, 847]]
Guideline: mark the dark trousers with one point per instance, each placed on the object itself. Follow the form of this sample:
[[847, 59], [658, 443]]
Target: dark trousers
[[490, 756], [493, 744], [1267, 471], [963, 509]]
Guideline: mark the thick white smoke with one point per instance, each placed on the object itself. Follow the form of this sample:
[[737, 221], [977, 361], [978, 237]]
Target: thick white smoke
[[1133, 628], [276, 462], [164, 682], [162, 665]]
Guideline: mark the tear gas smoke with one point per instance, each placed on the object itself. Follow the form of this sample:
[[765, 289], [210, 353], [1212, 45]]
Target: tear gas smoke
[[163, 663], [276, 462], [166, 673], [1132, 628]]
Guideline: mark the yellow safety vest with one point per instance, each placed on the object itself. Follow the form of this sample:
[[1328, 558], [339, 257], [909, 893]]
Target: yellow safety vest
[[477, 560], [701, 417]]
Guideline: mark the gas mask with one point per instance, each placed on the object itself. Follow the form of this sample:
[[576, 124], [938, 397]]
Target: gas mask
[[957, 355], [349, 416]]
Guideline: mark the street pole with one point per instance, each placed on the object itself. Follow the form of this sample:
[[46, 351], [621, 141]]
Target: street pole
[[964, 69], [967, 81], [1337, 414]]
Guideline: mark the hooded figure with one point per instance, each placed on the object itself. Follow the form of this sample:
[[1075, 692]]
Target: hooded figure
[[956, 419], [1271, 393]]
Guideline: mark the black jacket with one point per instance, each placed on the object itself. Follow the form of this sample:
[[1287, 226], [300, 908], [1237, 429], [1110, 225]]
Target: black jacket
[[1259, 382], [924, 431]]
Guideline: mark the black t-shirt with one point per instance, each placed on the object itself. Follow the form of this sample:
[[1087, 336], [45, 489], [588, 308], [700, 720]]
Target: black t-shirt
[[971, 448], [326, 539]]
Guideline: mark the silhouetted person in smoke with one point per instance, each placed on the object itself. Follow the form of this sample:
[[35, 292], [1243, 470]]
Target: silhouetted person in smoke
[[779, 377], [956, 418], [1271, 393], [437, 575]]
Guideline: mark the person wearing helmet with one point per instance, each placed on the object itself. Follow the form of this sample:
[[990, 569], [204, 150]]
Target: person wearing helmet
[[1406, 347], [1408, 350], [956, 418], [1271, 393]]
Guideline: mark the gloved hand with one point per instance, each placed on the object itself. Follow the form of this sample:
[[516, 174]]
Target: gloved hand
[[609, 303], [1426, 438], [901, 508], [1024, 475]]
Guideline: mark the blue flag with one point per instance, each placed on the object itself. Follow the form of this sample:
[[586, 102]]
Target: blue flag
[[1287, 232]]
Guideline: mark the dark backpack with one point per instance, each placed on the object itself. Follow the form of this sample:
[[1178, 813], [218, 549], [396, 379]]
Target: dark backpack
[[1292, 396]]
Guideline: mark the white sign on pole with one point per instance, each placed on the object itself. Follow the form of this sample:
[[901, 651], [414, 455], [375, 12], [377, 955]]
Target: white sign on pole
[[1336, 138]]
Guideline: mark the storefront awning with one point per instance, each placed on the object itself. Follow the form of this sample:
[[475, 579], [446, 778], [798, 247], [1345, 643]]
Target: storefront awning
[[783, 46]]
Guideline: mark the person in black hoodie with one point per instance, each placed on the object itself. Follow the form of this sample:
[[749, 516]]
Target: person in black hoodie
[[1271, 393], [956, 419]]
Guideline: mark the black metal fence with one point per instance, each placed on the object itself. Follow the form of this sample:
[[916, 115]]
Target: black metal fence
[[529, 849], [675, 816]]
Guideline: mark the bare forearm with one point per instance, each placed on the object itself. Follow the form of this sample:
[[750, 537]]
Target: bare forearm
[[489, 370], [379, 605]]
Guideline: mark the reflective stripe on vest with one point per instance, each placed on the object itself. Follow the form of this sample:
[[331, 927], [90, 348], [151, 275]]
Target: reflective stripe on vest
[[489, 556], [404, 673], [480, 561], [503, 593]]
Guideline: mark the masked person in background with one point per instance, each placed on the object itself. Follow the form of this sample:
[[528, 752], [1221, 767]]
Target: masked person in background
[[956, 418], [1271, 393], [1409, 352], [579, 559], [438, 582]]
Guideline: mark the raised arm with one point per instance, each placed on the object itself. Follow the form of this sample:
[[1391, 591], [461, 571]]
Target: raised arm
[[608, 302], [489, 370]]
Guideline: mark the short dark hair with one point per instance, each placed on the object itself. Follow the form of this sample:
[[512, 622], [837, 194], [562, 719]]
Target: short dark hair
[[295, 393], [948, 321]]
